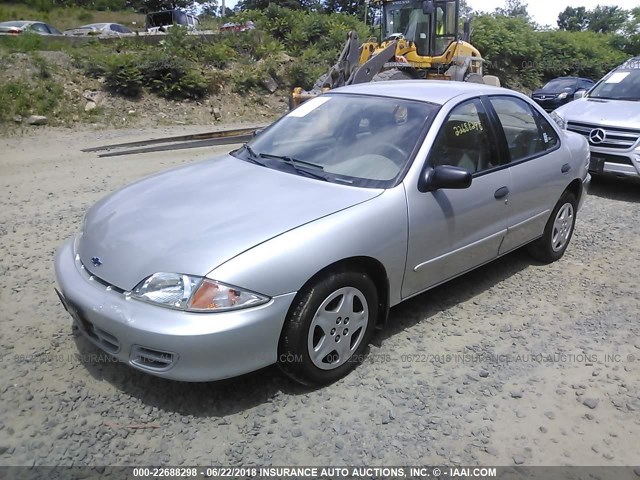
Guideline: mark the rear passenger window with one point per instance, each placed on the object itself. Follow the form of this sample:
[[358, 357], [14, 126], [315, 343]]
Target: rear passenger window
[[526, 130], [549, 135], [464, 140]]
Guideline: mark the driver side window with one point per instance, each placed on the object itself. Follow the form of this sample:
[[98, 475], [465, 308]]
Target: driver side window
[[464, 140]]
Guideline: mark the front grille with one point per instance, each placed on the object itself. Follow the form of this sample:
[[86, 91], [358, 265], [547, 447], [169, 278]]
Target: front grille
[[100, 280], [615, 137], [103, 339], [151, 359]]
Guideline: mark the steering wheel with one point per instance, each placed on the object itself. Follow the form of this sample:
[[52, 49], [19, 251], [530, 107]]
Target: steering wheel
[[396, 154]]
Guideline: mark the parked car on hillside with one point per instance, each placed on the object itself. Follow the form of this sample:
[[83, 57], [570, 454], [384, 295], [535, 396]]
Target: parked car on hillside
[[237, 27], [158, 22], [559, 91], [609, 117], [17, 27], [98, 29], [292, 249]]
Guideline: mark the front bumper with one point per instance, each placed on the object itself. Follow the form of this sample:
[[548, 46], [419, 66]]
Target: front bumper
[[169, 343], [612, 162]]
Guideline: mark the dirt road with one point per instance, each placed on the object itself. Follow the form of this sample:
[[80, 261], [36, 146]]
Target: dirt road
[[516, 363]]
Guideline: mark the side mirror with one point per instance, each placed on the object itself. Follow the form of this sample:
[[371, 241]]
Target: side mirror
[[444, 176], [427, 7], [579, 94]]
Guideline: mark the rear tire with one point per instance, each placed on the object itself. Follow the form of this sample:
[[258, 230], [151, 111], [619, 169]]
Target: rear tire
[[392, 74], [328, 329], [558, 231]]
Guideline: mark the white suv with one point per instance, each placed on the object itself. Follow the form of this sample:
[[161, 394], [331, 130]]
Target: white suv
[[609, 116]]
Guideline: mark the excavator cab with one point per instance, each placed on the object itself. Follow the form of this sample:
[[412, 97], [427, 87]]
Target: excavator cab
[[431, 26]]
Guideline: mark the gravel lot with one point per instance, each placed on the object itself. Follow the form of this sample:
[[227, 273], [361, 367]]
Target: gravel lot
[[515, 363]]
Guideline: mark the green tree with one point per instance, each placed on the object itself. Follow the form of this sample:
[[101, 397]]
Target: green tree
[[605, 19], [514, 8], [354, 7], [146, 6], [573, 19], [263, 4], [584, 54], [511, 47], [630, 39]]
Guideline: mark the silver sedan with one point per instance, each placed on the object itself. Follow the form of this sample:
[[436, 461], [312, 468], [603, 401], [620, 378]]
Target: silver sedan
[[292, 249]]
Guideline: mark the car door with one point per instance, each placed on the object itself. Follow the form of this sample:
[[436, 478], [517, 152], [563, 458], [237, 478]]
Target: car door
[[537, 166], [452, 231]]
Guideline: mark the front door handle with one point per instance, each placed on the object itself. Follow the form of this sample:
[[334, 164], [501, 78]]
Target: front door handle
[[565, 168], [501, 193]]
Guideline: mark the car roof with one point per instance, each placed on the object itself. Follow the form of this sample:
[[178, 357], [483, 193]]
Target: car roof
[[434, 91], [96, 25], [18, 23]]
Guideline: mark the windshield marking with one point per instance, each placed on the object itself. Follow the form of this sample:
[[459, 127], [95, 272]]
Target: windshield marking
[[617, 77], [309, 106]]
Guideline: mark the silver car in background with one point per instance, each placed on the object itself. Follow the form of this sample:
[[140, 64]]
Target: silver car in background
[[609, 117], [292, 249], [99, 29], [17, 27]]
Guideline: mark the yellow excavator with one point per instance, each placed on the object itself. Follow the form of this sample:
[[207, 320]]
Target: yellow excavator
[[419, 40]]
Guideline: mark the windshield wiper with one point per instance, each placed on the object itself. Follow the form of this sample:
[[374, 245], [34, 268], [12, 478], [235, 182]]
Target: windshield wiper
[[292, 162], [252, 157]]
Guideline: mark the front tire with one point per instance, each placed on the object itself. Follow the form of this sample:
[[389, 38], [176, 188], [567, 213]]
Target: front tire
[[558, 231], [328, 328]]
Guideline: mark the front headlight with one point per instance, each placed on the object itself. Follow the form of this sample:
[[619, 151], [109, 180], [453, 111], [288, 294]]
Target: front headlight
[[563, 95], [194, 294], [558, 119]]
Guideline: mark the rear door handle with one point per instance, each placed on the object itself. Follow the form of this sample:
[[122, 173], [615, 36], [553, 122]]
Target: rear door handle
[[501, 193], [565, 168]]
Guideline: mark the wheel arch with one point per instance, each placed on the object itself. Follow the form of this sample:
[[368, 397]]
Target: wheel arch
[[374, 269], [576, 188]]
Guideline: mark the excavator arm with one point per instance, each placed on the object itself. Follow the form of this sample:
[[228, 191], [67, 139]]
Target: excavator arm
[[347, 70]]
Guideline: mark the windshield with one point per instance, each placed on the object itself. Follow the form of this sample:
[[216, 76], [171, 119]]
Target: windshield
[[359, 140], [560, 84], [618, 85]]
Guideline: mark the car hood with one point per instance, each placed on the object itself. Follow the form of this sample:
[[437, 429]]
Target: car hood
[[194, 218], [615, 113], [547, 92]]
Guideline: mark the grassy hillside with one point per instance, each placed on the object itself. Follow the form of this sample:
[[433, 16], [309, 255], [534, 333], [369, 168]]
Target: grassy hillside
[[69, 17]]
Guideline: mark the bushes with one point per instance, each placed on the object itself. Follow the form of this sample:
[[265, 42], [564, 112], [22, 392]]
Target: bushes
[[175, 69], [164, 75], [40, 97], [122, 75], [523, 57], [172, 77]]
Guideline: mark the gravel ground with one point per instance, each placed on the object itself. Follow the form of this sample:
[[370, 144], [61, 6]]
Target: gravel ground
[[515, 363]]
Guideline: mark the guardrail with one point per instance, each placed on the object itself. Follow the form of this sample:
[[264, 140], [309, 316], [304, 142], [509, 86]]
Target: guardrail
[[141, 37]]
